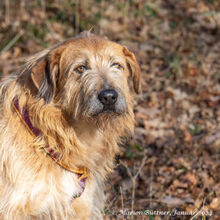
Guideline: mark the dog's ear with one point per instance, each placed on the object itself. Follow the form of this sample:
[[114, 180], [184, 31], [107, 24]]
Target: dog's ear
[[44, 76], [133, 68]]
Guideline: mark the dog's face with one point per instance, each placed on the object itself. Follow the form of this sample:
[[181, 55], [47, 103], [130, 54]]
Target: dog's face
[[87, 77]]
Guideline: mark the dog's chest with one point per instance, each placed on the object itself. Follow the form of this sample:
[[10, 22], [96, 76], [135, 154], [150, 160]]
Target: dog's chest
[[70, 186], [56, 191]]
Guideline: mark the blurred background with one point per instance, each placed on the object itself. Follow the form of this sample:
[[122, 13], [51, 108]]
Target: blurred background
[[173, 161]]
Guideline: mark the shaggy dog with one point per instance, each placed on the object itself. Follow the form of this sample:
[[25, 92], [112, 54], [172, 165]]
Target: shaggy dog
[[63, 115]]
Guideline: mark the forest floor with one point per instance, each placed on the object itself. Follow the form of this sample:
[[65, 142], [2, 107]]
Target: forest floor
[[172, 164]]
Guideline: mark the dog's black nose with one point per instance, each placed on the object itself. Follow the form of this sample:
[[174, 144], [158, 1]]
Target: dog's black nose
[[108, 96]]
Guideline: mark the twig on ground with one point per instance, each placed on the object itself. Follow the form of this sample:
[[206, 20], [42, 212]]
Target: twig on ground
[[133, 179], [151, 181], [122, 202], [77, 17], [43, 5], [12, 42], [7, 11], [199, 211]]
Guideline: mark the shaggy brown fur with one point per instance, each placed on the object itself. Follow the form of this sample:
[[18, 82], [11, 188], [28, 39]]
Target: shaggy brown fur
[[60, 88]]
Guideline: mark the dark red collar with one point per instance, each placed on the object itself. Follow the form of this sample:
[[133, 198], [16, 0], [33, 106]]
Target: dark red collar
[[55, 155], [24, 116]]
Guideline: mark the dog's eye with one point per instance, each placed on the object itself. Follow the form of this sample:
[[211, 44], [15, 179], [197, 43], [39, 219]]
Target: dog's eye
[[80, 69], [117, 65]]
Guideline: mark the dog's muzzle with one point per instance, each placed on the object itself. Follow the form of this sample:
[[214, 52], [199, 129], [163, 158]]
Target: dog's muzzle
[[108, 98], [104, 102]]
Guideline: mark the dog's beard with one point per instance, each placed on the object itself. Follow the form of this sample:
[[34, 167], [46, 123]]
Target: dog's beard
[[103, 116], [94, 108]]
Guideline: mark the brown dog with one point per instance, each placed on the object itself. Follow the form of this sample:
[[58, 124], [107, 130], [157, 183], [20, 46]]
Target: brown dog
[[62, 117]]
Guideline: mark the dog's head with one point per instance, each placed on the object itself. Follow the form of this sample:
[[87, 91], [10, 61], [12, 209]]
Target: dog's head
[[87, 77]]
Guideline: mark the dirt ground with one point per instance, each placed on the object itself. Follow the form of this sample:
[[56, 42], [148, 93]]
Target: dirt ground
[[170, 169]]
